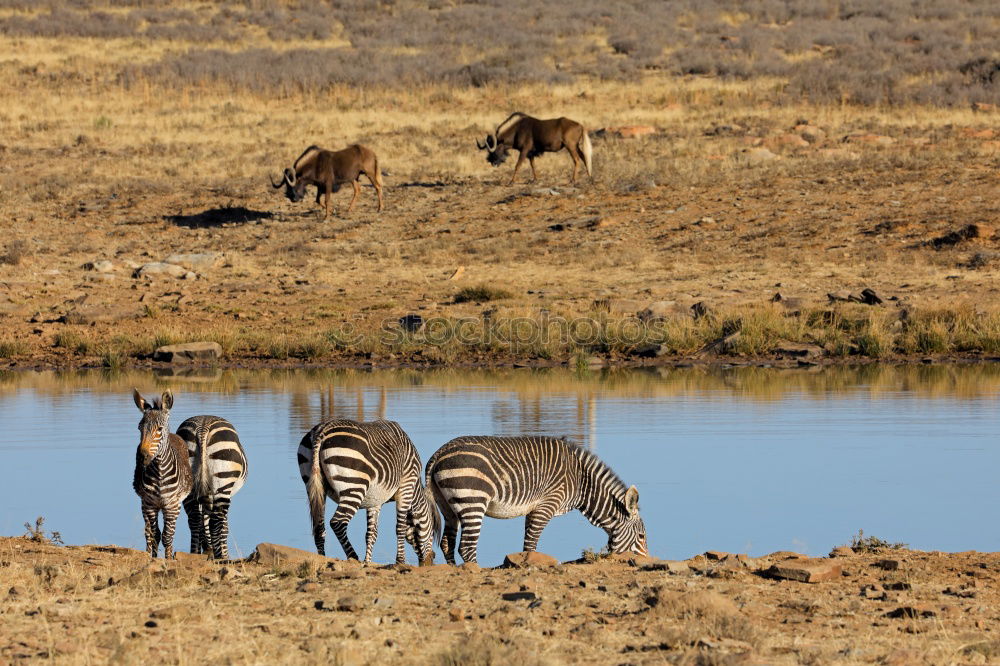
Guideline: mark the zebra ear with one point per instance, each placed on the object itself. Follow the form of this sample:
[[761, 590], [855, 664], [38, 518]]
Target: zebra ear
[[632, 501], [167, 400], [139, 401]]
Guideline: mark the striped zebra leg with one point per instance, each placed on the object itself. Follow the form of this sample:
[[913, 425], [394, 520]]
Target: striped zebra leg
[[149, 515], [534, 523], [319, 536], [404, 499], [372, 532], [205, 531], [169, 524], [345, 511], [472, 523], [194, 516], [219, 528]]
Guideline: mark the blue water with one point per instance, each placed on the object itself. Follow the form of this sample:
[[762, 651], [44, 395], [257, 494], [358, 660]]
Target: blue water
[[798, 465]]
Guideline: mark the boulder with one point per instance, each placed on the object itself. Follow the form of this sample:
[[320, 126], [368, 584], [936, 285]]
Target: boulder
[[201, 261], [842, 551], [275, 555], [797, 349], [806, 570], [670, 566], [787, 141], [189, 352], [658, 310], [526, 559], [650, 350], [755, 156], [102, 266], [160, 269]]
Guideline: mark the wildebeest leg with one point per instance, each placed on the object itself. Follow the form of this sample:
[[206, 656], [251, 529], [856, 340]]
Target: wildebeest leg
[[357, 189], [378, 189], [520, 161], [534, 174], [329, 194], [576, 159]]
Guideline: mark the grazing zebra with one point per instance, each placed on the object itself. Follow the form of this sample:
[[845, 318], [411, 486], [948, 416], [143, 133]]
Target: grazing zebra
[[365, 465], [162, 472], [536, 477], [219, 466]]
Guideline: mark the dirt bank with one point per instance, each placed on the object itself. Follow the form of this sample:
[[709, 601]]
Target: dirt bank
[[81, 604]]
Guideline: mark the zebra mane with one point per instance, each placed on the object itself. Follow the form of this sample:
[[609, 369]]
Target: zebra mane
[[617, 486]]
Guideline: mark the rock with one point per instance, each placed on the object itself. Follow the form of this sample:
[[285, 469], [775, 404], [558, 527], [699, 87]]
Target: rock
[[16, 591], [98, 314], [838, 154], [842, 551], [967, 232], [755, 156], [159, 269], [308, 586], [806, 571], [195, 262], [411, 322], [670, 566], [273, 555], [797, 349], [601, 222], [455, 614], [520, 595], [788, 141], [384, 602], [189, 352], [836, 296], [870, 139], [888, 565], [617, 305], [811, 133], [348, 605], [715, 555], [657, 310], [913, 611], [102, 266], [529, 559], [650, 350]]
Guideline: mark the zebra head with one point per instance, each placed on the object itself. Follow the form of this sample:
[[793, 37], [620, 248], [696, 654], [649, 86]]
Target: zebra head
[[153, 425], [628, 533]]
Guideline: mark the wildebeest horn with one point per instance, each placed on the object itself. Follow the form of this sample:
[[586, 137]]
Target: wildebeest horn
[[273, 184], [290, 177], [479, 145], [491, 142]]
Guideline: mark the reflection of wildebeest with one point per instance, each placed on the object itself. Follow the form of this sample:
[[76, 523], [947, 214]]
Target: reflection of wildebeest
[[531, 137], [328, 170]]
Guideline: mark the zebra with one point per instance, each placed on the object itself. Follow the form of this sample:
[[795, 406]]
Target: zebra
[[219, 466], [162, 472], [536, 477], [365, 465]]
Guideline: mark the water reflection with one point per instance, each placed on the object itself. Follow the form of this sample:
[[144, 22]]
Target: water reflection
[[739, 459]]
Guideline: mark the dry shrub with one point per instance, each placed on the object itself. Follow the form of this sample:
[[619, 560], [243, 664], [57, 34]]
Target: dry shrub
[[684, 618], [482, 650], [15, 252]]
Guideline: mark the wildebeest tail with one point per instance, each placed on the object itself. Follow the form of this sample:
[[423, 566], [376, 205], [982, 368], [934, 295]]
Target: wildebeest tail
[[588, 150]]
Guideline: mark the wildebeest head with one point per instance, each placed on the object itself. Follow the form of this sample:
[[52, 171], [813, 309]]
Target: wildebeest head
[[496, 150], [295, 189]]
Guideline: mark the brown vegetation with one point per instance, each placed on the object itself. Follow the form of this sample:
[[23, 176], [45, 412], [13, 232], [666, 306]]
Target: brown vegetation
[[81, 604]]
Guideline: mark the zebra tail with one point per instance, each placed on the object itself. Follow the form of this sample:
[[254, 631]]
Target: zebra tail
[[202, 477], [436, 523], [314, 486]]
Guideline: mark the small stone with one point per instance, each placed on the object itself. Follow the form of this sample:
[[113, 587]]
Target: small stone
[[798, 349], [670, 566], [273, 555], [455, 615], [806, 571], [101, 266], [87, 315], [348, 605], [913, 611], [871, 139], [842, 551], [202, 261], [810, 133], [529, 559], [715, 555], [188, 352], [521, 595], [888, 565], [16, 591], [160, 269], [383, 602], [308, 586], [658, 310], [756, 156]]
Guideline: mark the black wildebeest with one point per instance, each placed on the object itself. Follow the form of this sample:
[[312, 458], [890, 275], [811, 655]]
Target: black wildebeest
[[531, 137], [328, 170]]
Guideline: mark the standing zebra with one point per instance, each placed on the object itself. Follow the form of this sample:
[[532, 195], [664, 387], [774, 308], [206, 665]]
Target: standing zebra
[[219, 466], [365, 465], [536, 477], [162, 472]]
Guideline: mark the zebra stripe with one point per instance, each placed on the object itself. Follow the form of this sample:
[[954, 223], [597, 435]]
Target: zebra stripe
[[162, 477], [219, 466], [364, 465], [535, 477]]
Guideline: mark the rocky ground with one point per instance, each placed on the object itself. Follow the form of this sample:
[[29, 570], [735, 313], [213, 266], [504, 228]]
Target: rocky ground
[[86, 604]]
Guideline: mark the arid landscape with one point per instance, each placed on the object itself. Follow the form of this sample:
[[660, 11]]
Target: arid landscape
[[130, 138], [882, 604], [775, 183]]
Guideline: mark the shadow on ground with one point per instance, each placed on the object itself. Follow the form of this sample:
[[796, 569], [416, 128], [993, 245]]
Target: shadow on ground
[[215, 217]]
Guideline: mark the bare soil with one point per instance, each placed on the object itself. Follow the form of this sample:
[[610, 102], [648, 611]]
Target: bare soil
[[85, 604]]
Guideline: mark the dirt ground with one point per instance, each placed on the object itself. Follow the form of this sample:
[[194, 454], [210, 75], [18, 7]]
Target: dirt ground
[[95, 604]]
